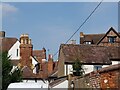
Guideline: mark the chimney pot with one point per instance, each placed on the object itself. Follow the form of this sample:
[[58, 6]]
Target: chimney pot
[[30, 41]]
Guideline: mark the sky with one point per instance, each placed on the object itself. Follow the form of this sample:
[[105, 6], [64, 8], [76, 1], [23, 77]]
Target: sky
[[50, 24]]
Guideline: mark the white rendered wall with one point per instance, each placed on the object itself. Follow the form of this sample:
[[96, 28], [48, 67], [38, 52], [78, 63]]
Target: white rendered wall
[[115, 62], [88, 68], [13, 51], [68, 68], [34, 62]]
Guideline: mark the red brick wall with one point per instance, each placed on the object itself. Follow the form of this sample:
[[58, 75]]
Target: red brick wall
[[50, 65], [112, 79], [25, 54]]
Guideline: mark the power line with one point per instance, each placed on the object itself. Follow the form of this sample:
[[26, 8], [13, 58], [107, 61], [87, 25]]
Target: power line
[[81, 24]]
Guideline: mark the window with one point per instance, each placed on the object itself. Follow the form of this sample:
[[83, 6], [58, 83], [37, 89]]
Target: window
[[17, 53], [87, 42], [97, 67], [111, 39]]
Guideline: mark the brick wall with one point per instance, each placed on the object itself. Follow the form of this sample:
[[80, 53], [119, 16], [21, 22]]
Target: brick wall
[[102, 79]]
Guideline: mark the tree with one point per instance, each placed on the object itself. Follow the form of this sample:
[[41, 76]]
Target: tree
[[8, 78], [78, 68]]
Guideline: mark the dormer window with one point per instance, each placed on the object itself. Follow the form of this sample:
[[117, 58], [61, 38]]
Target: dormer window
[[87, 42], [111, 39]]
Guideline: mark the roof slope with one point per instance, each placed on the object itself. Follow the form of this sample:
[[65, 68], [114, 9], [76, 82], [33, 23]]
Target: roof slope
[[87, 54], [7, 43], [111, 29], [94, 38]]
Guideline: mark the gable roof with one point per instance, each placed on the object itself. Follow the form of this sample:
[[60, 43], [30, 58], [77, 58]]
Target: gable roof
[[88, 54], [111, 29], [39, 54], [7, 43], [94, 38]]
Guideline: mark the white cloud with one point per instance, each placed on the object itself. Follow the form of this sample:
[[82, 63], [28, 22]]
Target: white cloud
[[7, 9]]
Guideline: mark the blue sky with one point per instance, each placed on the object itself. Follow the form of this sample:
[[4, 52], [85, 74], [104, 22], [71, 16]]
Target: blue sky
[[50, 24]]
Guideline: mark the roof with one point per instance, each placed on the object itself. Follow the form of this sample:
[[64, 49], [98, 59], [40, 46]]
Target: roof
[[110, 68], [111, 29], [105, 69], [87, 54], [27, 72], [114, 53], [94, 38], [14, 62], [39, 55], [7, 43], [58, 81]]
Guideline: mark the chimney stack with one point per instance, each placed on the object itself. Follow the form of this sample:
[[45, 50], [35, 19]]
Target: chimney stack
[[81, 34], [26, 49], [72, 41], [2, 33], [50, 64]]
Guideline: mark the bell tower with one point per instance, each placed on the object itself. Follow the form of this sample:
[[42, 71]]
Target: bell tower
[[26, 49]]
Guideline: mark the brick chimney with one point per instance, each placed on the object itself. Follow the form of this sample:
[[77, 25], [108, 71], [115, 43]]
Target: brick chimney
[[81, 37], [26, 49], [2, 33], [44, 51], [81, 34], [50, 64]]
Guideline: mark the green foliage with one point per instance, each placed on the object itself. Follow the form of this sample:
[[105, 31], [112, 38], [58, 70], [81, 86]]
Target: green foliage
[[8, 78], [78, 68]]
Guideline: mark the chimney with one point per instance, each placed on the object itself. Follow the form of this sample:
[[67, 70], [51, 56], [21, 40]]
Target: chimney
[[29, 41], [72, 41], [26, 49], [44, 50], [50, 64], [81, 35], [2, 33]]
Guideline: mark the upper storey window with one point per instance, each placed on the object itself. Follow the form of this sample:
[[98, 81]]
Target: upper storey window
[[111, 39], [87, 42]]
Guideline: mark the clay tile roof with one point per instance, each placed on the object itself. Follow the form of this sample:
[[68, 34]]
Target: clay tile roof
[[114, 53], [93, 37], [88, 54], [39, 53], [27, 72], [7, 43], [110, 68], [15, 62]]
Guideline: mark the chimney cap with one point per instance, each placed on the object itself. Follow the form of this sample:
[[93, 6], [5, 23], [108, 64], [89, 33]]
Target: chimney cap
[[24, 35]]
